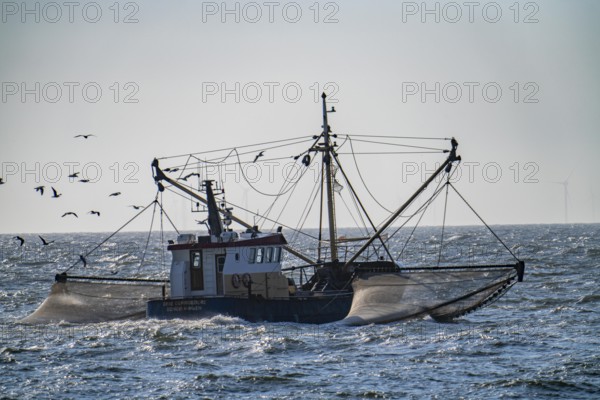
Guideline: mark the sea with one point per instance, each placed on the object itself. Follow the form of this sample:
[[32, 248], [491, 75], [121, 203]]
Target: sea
[[540, 340]]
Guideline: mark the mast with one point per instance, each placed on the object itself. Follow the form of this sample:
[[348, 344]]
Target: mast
[[320, 217], [214, 221], [327, 150]]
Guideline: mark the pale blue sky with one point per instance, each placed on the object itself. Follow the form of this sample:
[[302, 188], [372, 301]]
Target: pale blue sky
[[371, 54]]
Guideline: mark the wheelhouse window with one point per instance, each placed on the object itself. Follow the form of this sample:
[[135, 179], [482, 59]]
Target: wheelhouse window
[[260, 253], [277, 254], [269, 255]]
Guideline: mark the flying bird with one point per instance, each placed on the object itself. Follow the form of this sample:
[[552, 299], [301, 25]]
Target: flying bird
[[40, 189], [114, 194], [20, 239], [95, 212], [44, 241], [84, 180], [69, 213], [83, 260], [55, 194], [259, 155], [74, 175], [171, 169], [185, 178], [85, 136], [137, 207]]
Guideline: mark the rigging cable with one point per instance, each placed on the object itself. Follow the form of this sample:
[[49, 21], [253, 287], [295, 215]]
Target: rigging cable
[[292, 188], [421, 210], [283, 190], [220, 161], [443, 222], [270, 208], [243, 209], [307, 209], [403, 137], [360, 203], [400, 145], [362, 220], [162, 236], [147, 239], [351, 216], [229, 148], [264, 149], [380, 153], [167, 215], [361, 177], [272, 220], [110, 236], [486, 225]]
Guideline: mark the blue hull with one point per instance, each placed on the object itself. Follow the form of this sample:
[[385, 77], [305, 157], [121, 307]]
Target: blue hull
[[313, 310]]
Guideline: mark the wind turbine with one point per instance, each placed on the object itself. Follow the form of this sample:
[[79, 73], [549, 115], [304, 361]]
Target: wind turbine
[[565, 185], [593, 204]]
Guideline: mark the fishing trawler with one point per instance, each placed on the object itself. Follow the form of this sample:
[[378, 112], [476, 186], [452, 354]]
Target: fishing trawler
[[247, 273]]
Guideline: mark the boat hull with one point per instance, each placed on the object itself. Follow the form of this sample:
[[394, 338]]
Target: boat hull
[[310, 309]]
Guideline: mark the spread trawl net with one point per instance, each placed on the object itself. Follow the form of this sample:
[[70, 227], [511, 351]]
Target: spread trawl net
[[84, 302], [380, 298]]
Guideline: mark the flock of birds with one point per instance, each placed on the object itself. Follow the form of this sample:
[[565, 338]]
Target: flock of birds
[[75, 175], [56, 195], [44, 241]]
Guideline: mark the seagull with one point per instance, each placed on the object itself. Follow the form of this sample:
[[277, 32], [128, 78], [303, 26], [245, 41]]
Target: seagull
[[83, 260], [84, 180], [44, 241], [114, 194], [74, 175], [20, 239], [185, 178], [40, 189], [69, 213], [259, 155], [56, 195], [95, 212], [85, 136], [137, 207]]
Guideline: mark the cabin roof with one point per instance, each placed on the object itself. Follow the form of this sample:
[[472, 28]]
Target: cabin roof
[[271, 240]]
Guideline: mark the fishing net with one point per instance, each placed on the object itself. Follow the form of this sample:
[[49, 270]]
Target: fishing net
[[441, 294], [84, 302]]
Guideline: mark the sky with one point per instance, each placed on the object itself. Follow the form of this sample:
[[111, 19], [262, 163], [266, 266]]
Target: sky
[[516, 83]]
